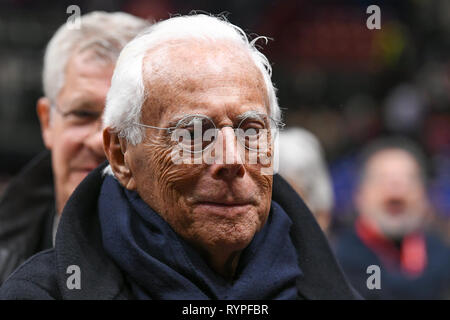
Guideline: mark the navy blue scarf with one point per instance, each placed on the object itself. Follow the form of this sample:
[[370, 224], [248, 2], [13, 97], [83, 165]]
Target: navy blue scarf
[[161, 265]]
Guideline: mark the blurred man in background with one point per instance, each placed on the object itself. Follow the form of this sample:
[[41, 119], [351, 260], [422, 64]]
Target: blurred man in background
[[302, 164], [78, 66], [391, 200]]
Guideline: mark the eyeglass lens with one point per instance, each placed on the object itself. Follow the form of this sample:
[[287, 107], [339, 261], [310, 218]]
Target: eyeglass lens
[[196, 133]]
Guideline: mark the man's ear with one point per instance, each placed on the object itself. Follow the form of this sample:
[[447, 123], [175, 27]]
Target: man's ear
[[43, 110], [116, 152]]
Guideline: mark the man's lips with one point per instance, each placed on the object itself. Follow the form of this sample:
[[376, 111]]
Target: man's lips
[[85, 167], [224, 202], [227, 208]]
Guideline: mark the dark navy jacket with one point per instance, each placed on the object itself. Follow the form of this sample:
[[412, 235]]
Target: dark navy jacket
[[78, 242]]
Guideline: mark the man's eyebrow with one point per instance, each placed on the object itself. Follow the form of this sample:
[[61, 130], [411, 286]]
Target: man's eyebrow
[[84, 103], [174, 121], [251, 114]]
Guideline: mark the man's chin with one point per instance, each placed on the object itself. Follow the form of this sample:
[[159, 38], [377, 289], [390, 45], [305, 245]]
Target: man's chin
[[398, 228], [233, 238], [76, 177], [79, 175]]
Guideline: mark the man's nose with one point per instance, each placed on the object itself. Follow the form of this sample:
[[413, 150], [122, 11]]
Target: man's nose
[[230, 165]]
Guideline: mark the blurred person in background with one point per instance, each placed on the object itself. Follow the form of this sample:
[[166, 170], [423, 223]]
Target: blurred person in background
[[302, 164], [390, 230], [78, 66]]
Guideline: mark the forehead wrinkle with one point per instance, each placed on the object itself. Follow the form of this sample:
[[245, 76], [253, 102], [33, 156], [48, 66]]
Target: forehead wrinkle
[[188, 57], [186, 73]]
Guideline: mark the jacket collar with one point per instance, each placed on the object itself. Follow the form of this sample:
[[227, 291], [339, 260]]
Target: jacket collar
[[79, 242], [323, 277]]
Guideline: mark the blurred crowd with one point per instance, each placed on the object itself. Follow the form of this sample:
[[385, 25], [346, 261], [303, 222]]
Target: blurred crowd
[[391, 228], [367, 140]]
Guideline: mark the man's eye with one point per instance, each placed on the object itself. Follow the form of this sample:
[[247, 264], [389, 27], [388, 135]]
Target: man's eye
[[201, 126], [82, 117], [253, 128], [83, 114]]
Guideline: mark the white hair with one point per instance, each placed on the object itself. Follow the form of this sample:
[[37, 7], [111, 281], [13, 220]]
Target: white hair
[[127, 93], [302, 163], [106, 33]]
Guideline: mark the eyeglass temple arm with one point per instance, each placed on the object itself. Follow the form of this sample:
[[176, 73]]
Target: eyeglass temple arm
[[169, 129]]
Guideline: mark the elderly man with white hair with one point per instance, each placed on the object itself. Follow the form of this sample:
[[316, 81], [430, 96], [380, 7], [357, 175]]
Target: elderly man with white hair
[[77, 71], [187, 207]]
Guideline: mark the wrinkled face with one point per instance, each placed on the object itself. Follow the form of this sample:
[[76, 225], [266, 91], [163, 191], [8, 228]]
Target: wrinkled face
[[73, 133], [214, 206], [392, 194]]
